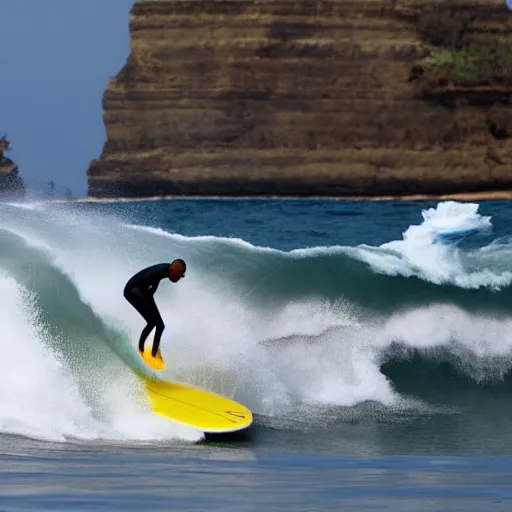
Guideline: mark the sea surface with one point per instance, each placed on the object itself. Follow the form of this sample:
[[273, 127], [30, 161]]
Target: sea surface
[[371, 340]]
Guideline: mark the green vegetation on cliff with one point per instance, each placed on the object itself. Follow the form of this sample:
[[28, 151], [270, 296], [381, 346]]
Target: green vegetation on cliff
[[474, 63], [462, 51]]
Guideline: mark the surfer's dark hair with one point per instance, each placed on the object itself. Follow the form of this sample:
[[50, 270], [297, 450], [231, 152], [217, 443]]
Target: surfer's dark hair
[[179, 260]]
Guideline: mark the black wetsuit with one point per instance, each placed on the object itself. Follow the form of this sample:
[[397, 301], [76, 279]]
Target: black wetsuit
[[139, 292]]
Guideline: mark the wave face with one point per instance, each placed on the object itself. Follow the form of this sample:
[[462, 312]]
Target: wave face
[[411, 323]]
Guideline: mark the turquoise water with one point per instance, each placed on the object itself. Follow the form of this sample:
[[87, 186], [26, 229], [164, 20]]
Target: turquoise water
[[372, 345]]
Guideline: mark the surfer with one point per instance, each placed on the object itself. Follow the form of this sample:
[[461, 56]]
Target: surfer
[[139, 291]]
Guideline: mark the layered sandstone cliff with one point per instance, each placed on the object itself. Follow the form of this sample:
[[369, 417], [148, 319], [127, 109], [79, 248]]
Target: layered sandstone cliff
[[308, 97], [11, 183]]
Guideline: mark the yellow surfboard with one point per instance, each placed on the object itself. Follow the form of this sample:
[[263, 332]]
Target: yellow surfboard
[[204, 410]]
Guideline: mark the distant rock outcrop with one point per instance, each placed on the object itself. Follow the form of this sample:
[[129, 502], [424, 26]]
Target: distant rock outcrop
[[310, 97], [11, 183]]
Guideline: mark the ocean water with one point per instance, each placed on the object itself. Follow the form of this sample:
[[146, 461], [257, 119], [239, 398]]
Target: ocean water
[[371, 340]]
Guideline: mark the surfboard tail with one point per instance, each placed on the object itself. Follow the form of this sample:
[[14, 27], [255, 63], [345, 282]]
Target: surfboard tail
[[157, 362], [204, 410]]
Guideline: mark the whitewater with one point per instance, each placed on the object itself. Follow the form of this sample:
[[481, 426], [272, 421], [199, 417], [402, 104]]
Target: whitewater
[[312, 332]]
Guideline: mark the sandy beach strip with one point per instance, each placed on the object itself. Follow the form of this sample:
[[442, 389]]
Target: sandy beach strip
[[462, 196]]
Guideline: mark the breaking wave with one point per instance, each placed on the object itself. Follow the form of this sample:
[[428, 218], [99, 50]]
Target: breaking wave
[[276, 330]]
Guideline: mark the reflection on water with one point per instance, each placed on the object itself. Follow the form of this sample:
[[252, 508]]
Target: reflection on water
[[40, 476]]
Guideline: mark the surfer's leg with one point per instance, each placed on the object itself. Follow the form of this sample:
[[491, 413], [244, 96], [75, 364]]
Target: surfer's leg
[[156, 320], [143, 307], [143, 335], [156, 340]]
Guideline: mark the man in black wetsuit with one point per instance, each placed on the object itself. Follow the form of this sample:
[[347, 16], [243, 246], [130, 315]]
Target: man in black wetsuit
[[139, 291]]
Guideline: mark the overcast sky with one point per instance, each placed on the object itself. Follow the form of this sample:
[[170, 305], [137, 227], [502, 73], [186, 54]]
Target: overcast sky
[[56, 57]]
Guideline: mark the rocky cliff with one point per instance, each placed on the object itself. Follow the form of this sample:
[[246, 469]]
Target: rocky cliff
[[11, 183], [310, 97]]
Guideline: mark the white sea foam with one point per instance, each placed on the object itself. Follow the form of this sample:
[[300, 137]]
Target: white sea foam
[[302, 350]]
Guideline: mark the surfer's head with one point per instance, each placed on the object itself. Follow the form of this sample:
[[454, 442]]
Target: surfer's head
[[177, 270]]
